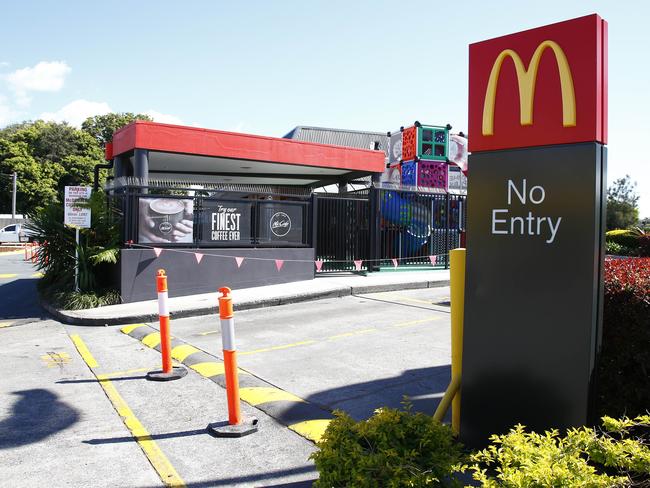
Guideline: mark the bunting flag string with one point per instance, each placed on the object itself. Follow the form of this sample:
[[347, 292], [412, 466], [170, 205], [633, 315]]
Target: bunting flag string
[[434, 259]]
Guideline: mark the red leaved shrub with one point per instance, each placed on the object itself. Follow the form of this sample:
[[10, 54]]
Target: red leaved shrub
[[624, 366]]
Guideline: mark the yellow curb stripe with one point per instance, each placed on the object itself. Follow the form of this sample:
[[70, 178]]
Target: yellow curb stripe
[[311, 429], [276, 348], [83, 350], [8, 275], [156, 457], [37, 275], [260, 394], [180, 353], [209, 368], [127, 329], [151, 340], [5, 324]]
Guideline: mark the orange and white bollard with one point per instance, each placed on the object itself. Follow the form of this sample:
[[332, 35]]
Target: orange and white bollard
[[27, 250], [168, 372], [35, 251], [236, 426]]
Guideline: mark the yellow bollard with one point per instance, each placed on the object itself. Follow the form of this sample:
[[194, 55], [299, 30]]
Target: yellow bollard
[[457, 298]]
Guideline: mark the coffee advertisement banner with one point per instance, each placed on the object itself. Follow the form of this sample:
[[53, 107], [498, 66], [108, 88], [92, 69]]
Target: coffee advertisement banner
[[280, 222], [227, 222], [166, 220]]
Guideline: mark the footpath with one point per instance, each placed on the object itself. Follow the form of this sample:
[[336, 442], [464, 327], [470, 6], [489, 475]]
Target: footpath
[[326, 285]]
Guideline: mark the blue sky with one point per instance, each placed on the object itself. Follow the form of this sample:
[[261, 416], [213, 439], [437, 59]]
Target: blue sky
[[264, 67]]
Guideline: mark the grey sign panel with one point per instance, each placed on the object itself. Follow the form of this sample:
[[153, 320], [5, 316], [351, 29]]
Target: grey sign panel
[[533, 288]]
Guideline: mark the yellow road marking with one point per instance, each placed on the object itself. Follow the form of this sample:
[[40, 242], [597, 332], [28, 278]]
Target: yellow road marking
[[209, 332], [127, 329], [311, 429], [415, 322], [53, 359], [350, 334], [276, 348], [83, 350], [157, 458], [8, 275], [179, 353], [208, 369], [262, 394], [37, 275], [5, 324], [151, 340]]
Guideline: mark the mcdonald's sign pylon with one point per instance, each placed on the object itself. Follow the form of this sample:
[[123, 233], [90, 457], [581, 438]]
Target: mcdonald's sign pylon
[[539, 87]]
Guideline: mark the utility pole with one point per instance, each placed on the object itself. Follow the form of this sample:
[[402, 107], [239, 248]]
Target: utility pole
[[13, 196]]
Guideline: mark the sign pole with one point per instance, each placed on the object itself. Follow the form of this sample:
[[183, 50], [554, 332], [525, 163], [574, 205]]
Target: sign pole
[[76, 260]]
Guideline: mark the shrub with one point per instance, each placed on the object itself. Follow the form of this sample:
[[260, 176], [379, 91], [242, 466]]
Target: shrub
[[393, 448], [616, 456], [624, 365], [623, 237], [616, 249]]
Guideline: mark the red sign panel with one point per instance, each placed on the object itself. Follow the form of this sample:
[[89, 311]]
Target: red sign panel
[[539, 87]]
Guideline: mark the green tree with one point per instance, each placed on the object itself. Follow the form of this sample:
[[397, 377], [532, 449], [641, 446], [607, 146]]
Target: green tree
[[102, 127], [622, 204], [46, 157]]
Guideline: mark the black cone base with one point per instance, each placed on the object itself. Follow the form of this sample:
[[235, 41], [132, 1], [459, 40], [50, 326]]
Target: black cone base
[[176, 373], [224, 429]]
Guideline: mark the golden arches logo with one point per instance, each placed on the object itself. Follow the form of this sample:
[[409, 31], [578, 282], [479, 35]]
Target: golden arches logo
[[526, 79]]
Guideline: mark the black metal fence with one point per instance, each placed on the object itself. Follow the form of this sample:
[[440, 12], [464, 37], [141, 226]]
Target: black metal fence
[[382, 227]]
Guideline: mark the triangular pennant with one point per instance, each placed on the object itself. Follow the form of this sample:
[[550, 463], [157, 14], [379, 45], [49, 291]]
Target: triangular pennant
[[433, 260], [319, 264], [157, 250], [279, 263], [198, 256], [239, 261], [394, 262], [357, 264]]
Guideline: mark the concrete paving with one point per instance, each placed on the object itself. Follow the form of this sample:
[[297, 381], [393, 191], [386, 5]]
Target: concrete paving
[[325, 285]]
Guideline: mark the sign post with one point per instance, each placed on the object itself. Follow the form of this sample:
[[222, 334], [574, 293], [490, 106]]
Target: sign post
[[536, 208], [76, 217]]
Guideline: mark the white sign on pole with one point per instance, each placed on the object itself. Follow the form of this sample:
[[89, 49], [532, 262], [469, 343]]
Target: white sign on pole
[[76, 216]]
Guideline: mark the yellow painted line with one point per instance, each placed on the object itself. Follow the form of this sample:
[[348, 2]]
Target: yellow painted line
[[179, 353], [415, 322], [408, 299], [151, 340], [8, 275], [157, 458], [262, 394], [5, 324], [83, 350], [276, 348], [209, 332], [208, 369], [311, 429], [54, 359], [127, 329], [38, 275], [351, 334], [19, 251]]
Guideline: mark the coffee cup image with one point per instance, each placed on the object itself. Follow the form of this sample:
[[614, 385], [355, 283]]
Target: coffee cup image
[[165, 220]]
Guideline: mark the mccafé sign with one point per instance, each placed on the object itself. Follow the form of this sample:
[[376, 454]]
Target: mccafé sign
[[539, 87]]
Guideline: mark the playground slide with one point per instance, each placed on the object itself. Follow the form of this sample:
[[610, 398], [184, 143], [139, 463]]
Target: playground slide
[[403, 211]]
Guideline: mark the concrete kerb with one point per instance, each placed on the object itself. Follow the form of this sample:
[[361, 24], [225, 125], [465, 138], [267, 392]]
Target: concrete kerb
[[305, 418], [95, 317]]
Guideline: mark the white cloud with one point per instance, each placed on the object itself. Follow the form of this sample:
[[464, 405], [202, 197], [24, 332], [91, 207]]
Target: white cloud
[[44, 77], [7, 115], [163, 118], [4, 64], [77, 111]]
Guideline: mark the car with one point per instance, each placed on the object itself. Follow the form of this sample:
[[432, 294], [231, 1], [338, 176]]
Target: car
[[16, 233]]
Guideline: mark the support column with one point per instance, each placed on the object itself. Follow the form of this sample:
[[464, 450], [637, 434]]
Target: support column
[[118, 167], [141, 167]]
